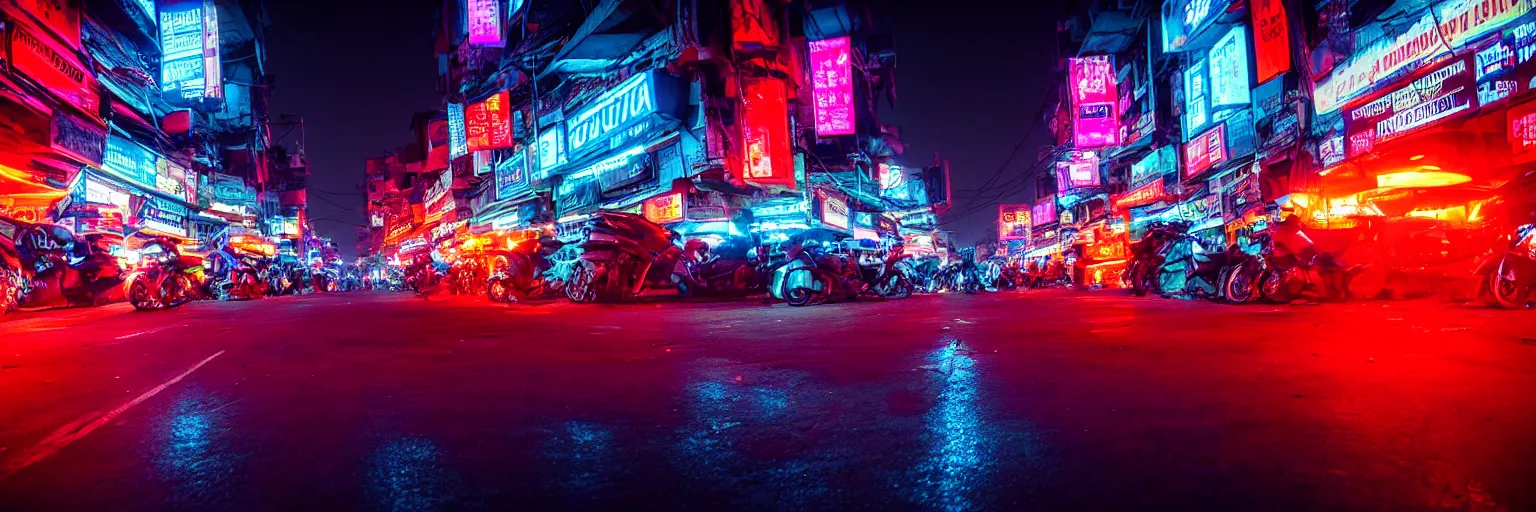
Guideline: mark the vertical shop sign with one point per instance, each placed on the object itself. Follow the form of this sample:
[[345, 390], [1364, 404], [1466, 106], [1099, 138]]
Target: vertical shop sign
[[1044, 211], [55, 67], [78, 138], [1228, 68], [1205, 151], [1271, 39], [458, 143], [1013, 222], [1095, 116], [1442, 93], [1196, 98], [437, 145], [766, 158], [832, 86], [511, 176], [484, 22], [552, 148], [488, 123], [189, 58]]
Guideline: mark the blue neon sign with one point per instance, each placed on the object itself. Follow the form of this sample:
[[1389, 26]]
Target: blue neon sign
[[622, 109], [130, 161], [182, 64]]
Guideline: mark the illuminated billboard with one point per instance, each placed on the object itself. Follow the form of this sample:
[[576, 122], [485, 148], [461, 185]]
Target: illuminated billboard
[[1079, 170], [1444, 92], [189, 52], [1184, 19], [1013, 222], [832, 86], [1095, 116], [483, 19], [488, 123], [1205, 151], [1228, 69], [1271, 39], [1196, 98], [458, 145], [665, 208], [1044, 211], [766, 157]]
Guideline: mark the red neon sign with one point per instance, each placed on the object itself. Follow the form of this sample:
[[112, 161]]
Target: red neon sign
[[766, 157], [1271, 39], [832, 86], [1205, 151], [37, 55], [1143, 195], [665, 208], [488, 123]]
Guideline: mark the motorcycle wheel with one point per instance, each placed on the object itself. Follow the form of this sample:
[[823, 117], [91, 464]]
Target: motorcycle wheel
[[1238, 286], [799, 296], [580, 289], [1276, 288], [1140, 283], [899, 288], [1505, 288], [10, 290], [140, 297], [496, 292]]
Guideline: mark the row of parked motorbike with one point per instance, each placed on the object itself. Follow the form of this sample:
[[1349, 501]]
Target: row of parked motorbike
[[1284, 264], [619, 256], [47, 265]]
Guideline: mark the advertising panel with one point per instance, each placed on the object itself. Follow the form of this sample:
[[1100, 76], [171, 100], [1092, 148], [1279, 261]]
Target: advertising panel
[[620, 115], [766, 157], [54, 66], [484, 22], [1271, 39], [458, 143], [1013, 222], [78, 138], [1443, 92], [1522, 131], [1163, 160], [1144, 195], [1229, 69], [1080, 170], [189, 60], [1044, 211], [1184, 19], [172, 179], [1205, 151], [130, 161], [1095, 115], [62, 18], [834, 209], [488, 123], [552, 147], [1437, 32], [665, 208], [1196, 99], [511, 176], [832, 86]]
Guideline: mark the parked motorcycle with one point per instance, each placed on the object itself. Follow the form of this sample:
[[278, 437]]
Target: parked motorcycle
[[165, 278], [48, 265], [812, 275], [531, 270], [730, 270], [888, 278], [1511, 273], [1141, 273], [1189, 269], [1246, 269], [620, 255], [1299, 270]]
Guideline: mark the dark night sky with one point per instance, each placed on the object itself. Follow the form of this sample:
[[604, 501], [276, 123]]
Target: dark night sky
[[969, 78]]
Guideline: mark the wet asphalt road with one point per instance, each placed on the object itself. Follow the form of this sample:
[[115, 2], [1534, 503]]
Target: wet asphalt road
[[1036, 400]]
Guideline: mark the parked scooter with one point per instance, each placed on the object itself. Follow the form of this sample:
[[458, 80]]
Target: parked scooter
[[727, 271], [165, 278], [1510, 275], [1299, 270], [1189, 269], [1245, 270], [621, 254], [1141, 274], [48, 265], [888, 278], [813, 276]]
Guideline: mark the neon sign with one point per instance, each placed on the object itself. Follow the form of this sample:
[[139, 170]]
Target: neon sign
[[1044, 211], [630, 103], [1445, 91], [1184, 19], [458, 143], [832, 86], [1229, 69], [1013, 222], [834, 210], [1095, 113], [484, 21], [55, 68], [766, 157], [1205, 151], [1196, 100], [189, 45], [1146, 194], [130, 161], [1080, 170], [1271, 39], [665, 208], [488, 123], [511, 175]]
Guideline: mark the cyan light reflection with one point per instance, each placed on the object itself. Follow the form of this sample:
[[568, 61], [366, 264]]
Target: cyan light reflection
[[585, 457], [191, 456], [961, 459], [406, 474]]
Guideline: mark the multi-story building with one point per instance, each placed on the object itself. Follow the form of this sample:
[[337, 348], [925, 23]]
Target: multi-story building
[[691, 115], [134, 117]]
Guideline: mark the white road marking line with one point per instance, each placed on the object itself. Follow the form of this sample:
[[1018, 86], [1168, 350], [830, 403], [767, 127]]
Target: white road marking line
[[155, 330], [66, 435]]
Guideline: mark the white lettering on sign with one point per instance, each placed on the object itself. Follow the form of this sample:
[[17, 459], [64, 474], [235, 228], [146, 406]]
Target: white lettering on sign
[[615, 109]]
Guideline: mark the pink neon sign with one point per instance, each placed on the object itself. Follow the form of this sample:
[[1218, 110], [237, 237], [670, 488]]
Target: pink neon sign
[[1095, 115], [832, 86], [484, 20]]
